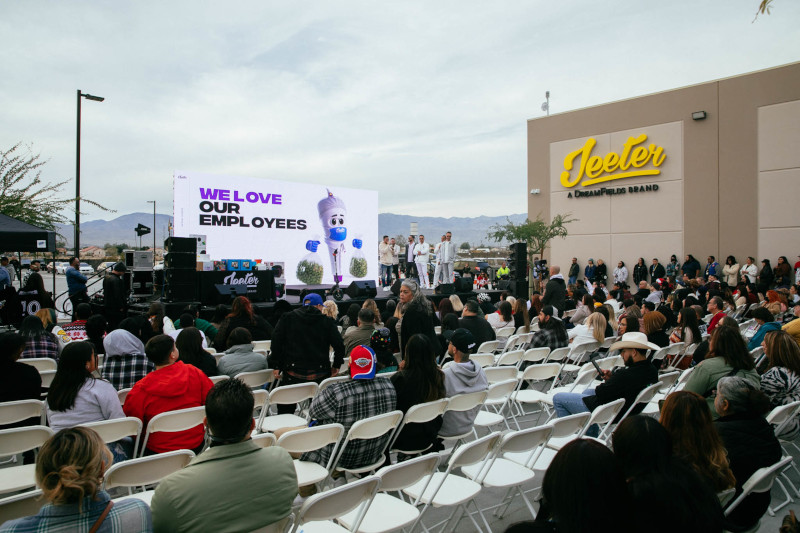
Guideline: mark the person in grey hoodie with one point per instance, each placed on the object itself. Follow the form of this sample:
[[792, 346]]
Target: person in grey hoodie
[[240, 357], [461, 376]]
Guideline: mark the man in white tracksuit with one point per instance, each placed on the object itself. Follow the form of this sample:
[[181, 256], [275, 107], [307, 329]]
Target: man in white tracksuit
[[437, 273], [422, 252]]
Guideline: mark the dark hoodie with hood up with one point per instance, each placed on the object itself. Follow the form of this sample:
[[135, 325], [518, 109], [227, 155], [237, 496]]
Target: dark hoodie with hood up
[[301, 341], [177, 386], [460, 378]]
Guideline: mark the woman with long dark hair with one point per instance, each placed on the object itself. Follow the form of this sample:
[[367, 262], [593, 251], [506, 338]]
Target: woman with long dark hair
[[502, 318], [35, 285], [38, 341], [419, 380], [730, 271], [521, 315], [727, 356], [445, 308], [782, 272], [190, 348], [765, 277], [688, 330], [639, 271], [686, 417], [242, 316]]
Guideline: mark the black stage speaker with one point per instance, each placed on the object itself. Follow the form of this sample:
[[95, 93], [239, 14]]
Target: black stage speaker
[[180, 275], [518, 261], [464, 284], [226, 293], [307, 291], [519, 288], [504, 285], [180, 292], [180, 260], [181, 244], [447, 288], [396, 287], [362, 289]]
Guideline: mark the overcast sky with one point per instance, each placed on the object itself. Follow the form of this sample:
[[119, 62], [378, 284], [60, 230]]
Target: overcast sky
[[425, 102]]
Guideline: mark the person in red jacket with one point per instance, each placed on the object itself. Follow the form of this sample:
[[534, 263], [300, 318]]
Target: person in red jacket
[[171, 386], [714, 307]]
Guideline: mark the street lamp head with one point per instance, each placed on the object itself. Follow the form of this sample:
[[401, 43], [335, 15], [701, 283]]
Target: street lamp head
[[92, 97]]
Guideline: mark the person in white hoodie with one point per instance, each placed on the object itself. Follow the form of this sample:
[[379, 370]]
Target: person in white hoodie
[[461, 376]]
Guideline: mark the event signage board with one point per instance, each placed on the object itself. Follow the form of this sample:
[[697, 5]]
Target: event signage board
[[312, 229]]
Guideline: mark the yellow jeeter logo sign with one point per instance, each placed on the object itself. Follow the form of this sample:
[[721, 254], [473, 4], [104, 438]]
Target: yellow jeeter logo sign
[[591, 169]]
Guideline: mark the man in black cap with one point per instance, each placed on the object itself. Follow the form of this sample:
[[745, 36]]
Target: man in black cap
[[461, 376], [115, 297]]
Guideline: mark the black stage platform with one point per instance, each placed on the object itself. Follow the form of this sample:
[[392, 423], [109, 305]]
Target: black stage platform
[[174, 309]]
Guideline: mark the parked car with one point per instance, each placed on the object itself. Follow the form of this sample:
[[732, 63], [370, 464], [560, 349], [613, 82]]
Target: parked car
[[86, 268], [61, 268], [472, 267], [105, 266]]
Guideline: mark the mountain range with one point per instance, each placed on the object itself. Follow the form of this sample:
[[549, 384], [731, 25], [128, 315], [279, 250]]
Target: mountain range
[[121, 229]]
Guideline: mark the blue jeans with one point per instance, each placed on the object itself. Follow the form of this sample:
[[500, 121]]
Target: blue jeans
[[572, 280], [571, 403], [386, 275]]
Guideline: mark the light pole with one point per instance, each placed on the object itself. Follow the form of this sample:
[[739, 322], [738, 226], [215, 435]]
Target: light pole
[[78, 172], [154, 229]]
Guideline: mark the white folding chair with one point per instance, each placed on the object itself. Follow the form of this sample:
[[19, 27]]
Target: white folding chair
[[310, 439], [19, 440], [418, 414], [557, 355], [283, 395], [586, 376], [257, 378], [495, 374], [676, 352], [498, 396], [17, 411], [535, 355], [610, 362], [667, 382], [217, 379], [644, 397], [318, 509], [657, 358], [327, 382], [40, 363], [373, 427], [445, 489], [118, 428], [47, 378], [145, 471], [761, 481], [603, 416], [500, 472], [21, 505], [577, 353], [264, 440], [521, 330], [507, 333], [567, 427], [265, 346], [469, 401], [780, 417], [511, 358], [388, 513], [488, 346], [483, 359], [533, 374], [123, 394], [172, 421]]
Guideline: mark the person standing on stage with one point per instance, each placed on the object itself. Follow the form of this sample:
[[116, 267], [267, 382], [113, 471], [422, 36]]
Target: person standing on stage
[[448, 251], [385, 257], [437, 272], [411, 268], [422, 254], [395, 258]]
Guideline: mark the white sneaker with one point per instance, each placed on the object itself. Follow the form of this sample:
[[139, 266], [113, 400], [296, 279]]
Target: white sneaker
[[386, 289]]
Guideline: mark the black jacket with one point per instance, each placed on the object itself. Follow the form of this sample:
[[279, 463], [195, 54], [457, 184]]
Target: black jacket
[[301, 341], [479, 327], [601, 274], [657, 271], [555, 293], [114, 293], [639, 273], [751, 444], [691, 268], [626, 383]]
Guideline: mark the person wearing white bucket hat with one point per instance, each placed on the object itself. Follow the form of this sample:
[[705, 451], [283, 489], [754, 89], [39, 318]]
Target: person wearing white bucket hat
[[624, 382]]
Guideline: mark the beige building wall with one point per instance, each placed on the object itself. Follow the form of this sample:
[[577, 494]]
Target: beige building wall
[[725, 183]]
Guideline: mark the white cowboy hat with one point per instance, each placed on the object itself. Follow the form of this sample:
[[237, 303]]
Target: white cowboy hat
[[634, 339]]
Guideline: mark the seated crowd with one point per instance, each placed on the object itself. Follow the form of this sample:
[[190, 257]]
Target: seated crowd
[[711, 435]]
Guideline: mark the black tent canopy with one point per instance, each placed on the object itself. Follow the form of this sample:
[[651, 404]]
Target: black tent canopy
[[19, 236]]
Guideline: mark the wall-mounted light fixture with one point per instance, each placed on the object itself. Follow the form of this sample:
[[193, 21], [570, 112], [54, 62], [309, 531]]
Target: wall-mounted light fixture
[[699, 115], [535, 191]]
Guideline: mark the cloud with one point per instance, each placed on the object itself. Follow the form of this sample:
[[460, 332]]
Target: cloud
[[424, 102]]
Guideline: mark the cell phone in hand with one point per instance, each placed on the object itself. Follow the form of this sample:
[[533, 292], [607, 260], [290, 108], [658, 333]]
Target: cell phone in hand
[[596, 367]]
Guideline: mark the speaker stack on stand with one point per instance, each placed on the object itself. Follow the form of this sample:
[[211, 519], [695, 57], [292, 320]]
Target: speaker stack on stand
[[518, 267], [180, 269]]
